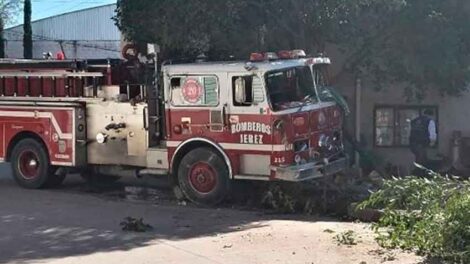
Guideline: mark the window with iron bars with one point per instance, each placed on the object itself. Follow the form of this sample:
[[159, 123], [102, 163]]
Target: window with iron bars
[[392, 123]]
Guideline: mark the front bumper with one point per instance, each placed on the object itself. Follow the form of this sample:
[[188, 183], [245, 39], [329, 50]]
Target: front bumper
[[310, 171]]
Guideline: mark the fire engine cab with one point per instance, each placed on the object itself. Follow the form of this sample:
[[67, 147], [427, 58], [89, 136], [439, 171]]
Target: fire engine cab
[[203, 124]]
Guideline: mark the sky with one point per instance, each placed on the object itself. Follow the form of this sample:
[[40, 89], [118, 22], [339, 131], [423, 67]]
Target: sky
[[47, 8]]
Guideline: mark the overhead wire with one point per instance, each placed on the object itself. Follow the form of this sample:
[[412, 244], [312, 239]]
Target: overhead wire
[[70, 42]]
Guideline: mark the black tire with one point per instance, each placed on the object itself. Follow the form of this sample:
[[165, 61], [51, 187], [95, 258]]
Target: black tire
[[203, 177], [30, 164]]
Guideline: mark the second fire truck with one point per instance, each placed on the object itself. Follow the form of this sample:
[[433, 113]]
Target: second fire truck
[[203, 124]]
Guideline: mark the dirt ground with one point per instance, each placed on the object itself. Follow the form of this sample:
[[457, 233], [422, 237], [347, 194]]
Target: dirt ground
[[74, 225]]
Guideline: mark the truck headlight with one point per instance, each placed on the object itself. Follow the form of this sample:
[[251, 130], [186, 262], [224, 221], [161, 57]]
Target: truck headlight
[[323, 141], [298, 159]]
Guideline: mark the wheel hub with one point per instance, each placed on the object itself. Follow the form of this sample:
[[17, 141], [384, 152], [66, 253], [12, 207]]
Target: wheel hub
[[33, 163], [28, 165], [203, 177]]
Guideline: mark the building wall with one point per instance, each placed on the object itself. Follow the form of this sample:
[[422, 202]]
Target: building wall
[[89, 33], [72, 49], [453, 115]]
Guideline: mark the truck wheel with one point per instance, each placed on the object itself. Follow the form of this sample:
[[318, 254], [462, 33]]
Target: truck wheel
[[204, 177], [30, 164]]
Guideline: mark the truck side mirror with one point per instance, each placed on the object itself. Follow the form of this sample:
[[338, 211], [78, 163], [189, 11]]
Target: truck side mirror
[[331, 95], [240, 90], [326, 94]]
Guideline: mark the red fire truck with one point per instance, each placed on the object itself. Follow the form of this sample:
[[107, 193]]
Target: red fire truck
[[203, 124]]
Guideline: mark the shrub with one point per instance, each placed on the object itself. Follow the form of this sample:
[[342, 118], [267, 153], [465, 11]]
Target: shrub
[[429, 215]]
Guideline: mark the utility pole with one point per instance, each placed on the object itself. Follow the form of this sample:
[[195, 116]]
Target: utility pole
[[2, 38], [28, 31]]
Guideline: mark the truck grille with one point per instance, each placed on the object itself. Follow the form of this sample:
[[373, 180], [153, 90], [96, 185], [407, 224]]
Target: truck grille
[[301, 145]]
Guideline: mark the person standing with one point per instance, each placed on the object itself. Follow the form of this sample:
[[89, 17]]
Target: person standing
[[422, 136]]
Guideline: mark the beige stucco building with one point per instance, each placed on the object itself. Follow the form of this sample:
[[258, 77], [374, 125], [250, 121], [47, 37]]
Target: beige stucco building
[[381, 119]]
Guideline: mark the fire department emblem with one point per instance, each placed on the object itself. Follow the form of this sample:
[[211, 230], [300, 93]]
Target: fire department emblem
[[299, 121], [192, 91]]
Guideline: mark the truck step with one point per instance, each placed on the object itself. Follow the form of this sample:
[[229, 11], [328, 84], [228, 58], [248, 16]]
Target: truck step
[[152, 172]]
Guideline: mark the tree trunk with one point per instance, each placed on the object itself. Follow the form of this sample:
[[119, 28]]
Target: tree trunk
[[28, 32]]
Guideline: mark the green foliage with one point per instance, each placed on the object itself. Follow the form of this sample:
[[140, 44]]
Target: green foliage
[[346, 238], [8, 10], [456, 231], [233, 27], [280, 199], [431, 216], [422, 43], [28, 31]]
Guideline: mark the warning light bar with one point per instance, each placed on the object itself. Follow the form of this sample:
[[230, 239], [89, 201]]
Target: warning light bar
[[298, 54], [267, 56], [318, 60], [283, 55], [257, 57]]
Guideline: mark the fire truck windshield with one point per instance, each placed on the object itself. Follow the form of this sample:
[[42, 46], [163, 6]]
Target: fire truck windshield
[[289, 88]]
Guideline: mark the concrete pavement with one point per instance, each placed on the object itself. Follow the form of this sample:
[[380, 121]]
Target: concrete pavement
[[68, 226]]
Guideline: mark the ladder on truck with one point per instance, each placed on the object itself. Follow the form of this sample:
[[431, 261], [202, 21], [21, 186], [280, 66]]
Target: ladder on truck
[[50, 79]]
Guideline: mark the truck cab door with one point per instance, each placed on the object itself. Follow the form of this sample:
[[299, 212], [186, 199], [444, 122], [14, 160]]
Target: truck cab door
[[250, 125], [195, 107]]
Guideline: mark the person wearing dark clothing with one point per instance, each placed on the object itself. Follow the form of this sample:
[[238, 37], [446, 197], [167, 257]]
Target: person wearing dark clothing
[[423, 135]]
